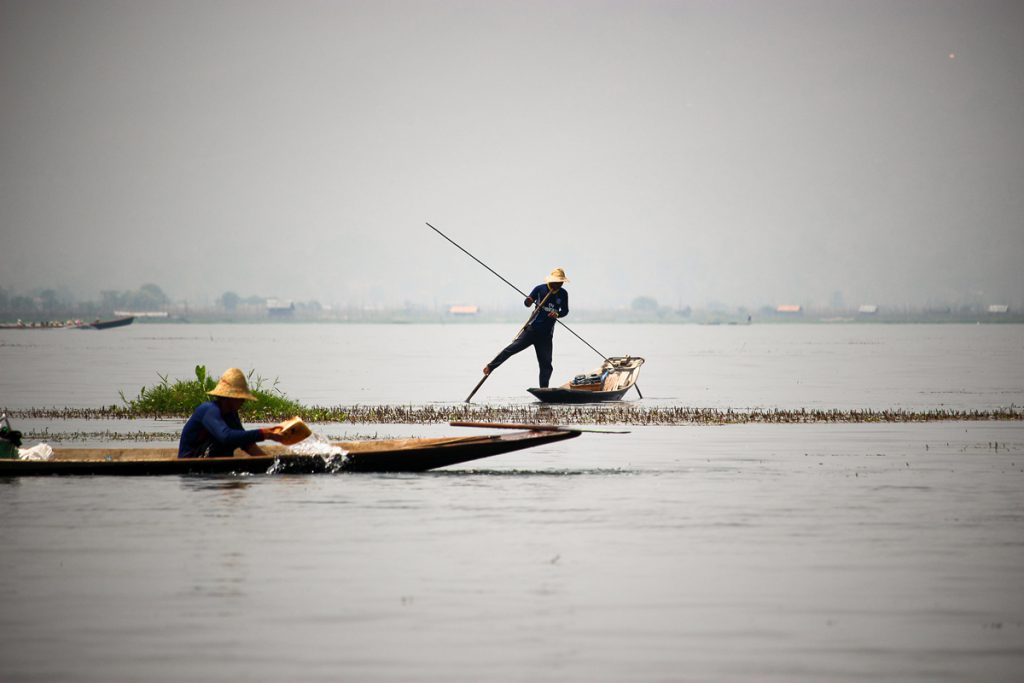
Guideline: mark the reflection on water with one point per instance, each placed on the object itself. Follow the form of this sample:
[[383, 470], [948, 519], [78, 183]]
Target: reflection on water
[[238, 482], [516, 472]]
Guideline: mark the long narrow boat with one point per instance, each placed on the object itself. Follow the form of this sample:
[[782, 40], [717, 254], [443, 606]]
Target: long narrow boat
[[385, 455], [107, 324], [610, 382], [70, 324]]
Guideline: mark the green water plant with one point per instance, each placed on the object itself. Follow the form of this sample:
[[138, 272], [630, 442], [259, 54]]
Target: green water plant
[[622, 413], [180, 397]]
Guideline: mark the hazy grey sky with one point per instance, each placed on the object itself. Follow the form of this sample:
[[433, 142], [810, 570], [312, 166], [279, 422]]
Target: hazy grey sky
[[735, 152]]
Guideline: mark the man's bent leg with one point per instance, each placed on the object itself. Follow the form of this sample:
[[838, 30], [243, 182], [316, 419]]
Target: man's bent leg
[[518, 344], [542, 345]]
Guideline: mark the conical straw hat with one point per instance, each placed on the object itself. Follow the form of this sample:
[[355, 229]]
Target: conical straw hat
[[232, 384], [556, 275]]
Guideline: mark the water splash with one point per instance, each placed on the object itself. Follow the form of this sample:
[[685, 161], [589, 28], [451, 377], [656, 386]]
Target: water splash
[[316, 444]]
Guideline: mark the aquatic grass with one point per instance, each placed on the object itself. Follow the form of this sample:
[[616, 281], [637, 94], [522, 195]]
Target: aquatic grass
[[622, 414], [181, 397]]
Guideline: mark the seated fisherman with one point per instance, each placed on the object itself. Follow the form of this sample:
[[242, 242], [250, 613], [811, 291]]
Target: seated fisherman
[[215, 430]]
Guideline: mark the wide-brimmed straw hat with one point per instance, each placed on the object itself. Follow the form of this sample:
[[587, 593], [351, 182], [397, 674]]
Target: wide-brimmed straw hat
[[556, 275], [232, 384]]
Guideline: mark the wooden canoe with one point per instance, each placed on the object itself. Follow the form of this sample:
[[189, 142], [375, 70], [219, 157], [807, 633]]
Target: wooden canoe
[[384, 455], [610, 382]]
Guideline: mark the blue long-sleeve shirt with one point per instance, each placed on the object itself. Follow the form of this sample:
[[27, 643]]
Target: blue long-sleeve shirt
[[222, 433], [557, 302]]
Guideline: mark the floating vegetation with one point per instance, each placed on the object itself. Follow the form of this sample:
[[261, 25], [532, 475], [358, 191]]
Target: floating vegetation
[[623, 414], [181, 397], [103, 435]]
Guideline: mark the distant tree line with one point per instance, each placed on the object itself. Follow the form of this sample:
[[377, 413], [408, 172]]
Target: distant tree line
[[230, 301], [49, 303], [148, 297]]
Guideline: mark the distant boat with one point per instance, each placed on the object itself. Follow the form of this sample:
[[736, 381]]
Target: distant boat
[[106, 324], [47, 325], [69, 325]]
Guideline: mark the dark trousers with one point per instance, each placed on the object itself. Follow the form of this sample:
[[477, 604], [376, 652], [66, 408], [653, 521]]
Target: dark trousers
[[541, 343]]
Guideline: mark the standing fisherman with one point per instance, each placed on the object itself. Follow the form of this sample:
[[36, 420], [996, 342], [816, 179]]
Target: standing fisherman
[[552, 303]]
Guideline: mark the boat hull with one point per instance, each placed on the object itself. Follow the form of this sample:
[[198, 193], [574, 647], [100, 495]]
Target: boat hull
[[563, 395], [395, 455], [109, 324], [98, 325], [610, 382]]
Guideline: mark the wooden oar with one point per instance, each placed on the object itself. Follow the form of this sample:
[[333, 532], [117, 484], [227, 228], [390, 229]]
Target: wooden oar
[[533, 315], [536, 428]]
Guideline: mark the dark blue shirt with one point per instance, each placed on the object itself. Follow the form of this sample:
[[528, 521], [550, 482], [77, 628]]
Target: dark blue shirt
[[557, 302], [209, 429]]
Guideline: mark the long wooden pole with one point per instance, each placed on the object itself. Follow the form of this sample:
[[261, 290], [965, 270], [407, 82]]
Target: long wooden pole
[[536, 428], [460, 248]]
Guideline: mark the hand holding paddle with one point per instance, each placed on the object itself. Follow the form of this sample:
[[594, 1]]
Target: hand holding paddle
[[289, 432], [272, 433]]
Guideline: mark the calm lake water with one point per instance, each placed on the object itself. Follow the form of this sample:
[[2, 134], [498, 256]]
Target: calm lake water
[[751, 552], [786, 366]]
